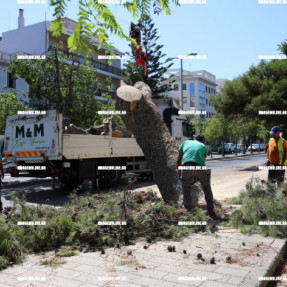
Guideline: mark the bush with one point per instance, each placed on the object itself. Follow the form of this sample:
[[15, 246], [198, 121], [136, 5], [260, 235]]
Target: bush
[[261, 201]]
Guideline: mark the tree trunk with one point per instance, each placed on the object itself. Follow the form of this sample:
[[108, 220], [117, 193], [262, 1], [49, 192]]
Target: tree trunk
[[152, 135]]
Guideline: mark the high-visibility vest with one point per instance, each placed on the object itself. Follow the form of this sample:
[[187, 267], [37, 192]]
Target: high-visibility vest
[[280, 148]]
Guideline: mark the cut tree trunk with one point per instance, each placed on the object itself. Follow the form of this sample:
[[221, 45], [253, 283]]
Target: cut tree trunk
[[152, 135]]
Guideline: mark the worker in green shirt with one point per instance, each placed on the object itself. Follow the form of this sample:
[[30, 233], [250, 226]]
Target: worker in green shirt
[[192, 153]]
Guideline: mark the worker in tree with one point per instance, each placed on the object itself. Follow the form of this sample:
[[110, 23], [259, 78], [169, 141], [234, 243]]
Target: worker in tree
[[193, 153], [2, 177], [276, 155]]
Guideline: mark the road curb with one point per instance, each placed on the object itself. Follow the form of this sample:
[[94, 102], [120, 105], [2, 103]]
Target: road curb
[[274, 264], [243, 155]]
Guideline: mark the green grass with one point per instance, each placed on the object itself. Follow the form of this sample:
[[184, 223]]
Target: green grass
[[53, 263]]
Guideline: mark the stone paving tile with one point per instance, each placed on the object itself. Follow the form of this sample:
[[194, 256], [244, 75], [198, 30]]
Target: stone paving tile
[[216, 284], [235, 280], [86, 269], [64, 272], [127, 284], [187, 284], [16, 270], [152, 282], [150, 273], [71, 265], [64, 282], [32, 284], [174, 269], [182, 279], [231, 271], [156, 266]]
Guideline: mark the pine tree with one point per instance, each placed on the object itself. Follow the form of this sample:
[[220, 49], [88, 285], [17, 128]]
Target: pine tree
[[156, 67]]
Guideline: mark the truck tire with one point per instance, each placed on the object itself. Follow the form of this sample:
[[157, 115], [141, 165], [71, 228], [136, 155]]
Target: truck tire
[[110, 178]]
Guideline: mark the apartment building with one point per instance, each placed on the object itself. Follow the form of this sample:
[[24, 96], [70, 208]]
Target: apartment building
[[198, 87], [36, 39], [220, 84]]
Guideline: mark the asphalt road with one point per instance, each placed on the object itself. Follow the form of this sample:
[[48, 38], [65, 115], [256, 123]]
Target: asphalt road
[[237, 162], [229, 175]]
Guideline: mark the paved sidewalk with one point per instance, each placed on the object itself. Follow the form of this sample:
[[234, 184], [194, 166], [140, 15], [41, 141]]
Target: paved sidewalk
[[239, 261]]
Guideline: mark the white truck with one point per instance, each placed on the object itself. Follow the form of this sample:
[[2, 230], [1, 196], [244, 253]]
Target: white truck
[[39, 140]]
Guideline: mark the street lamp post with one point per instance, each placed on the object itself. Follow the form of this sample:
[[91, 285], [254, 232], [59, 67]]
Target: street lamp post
[[181, 84], [181, 76]]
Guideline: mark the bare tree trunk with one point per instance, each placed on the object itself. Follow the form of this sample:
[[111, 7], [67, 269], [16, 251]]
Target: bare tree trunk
[[152, 135]]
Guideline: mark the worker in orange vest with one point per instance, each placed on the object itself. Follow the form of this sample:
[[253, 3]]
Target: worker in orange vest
[[276, 156]]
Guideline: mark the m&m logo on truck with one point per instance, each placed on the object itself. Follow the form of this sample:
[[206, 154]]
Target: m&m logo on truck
[[21, 132]]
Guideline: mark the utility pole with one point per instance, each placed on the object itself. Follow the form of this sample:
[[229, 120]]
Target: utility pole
[[181, 77]]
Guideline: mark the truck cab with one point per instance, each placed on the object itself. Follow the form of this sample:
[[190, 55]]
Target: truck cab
[[178, 125]]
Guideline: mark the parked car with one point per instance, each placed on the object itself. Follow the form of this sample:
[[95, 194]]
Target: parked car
[[215, 147], [254, 147], [228, 148], [262, 146], [240, 147]]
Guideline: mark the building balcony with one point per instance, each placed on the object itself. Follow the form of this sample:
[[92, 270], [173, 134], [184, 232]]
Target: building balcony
[[95, 63], [6, 57]]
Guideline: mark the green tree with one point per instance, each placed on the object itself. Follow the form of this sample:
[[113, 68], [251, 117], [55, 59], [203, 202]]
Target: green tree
[[236, 131], [95, 18], [262, 87], [156, 67], [198, 123], [213, 130], [9, 105], [60, 82]]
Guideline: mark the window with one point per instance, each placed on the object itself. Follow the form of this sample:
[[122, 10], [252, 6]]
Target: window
[[202, 92], [183, 86], [206, 88], [206, 101], [187, 130], [191, 87], [11, 83], [191, 103], [184, 100], [175, 87]]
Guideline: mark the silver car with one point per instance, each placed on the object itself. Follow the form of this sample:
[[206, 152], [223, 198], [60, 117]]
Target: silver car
[[254, 147]]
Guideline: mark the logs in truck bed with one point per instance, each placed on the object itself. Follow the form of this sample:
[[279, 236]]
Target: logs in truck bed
[[117, 130]]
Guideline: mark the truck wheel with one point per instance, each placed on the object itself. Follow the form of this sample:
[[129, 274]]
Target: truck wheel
[[110, 178]]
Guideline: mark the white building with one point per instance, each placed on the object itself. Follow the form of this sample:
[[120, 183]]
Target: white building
[[198, 87], [7, 84], [220, 83], [36, 39]]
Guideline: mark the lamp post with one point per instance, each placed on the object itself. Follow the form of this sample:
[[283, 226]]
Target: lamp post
[[181, 77]]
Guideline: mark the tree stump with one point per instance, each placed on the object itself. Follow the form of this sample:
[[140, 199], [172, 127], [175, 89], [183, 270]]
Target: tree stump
[[160, 149]]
